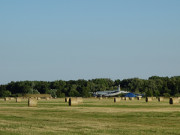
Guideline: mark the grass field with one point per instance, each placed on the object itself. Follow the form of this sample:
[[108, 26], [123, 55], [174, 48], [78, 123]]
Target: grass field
[[92, 117]]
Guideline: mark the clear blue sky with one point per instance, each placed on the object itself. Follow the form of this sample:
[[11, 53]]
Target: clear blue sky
[[85, 39]]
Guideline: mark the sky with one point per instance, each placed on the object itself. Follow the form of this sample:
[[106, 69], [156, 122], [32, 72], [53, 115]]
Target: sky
[[49, 40]]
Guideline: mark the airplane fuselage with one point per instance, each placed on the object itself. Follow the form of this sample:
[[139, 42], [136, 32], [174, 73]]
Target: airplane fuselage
[[110, 93]]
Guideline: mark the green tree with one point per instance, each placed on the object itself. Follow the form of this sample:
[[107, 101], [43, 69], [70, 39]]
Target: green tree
[[60, 94], [5, 93], [85, 92], [74, 93]]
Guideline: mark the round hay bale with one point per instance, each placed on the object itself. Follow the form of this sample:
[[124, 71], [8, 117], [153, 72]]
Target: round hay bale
[[6, 99], [148, 99], [12, 98], [117, 99], [173, 100], [126, 98], [47, 98], [79, 99], [66, 99], [73, 101], [38, 98], [32, 102], [160, 99], [131, 98], [18, 99]]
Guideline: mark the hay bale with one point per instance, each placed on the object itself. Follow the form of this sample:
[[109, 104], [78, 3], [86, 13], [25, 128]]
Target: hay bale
[[153, 98], [38, 98], [66, 99], [12, 98], [6, 99], [173, 100], [47, 98], [122, 98], [117, 99], [131, 98], [73, 101], [160, 99], [138, 98], [32, 102], [79, 99], [18, 99], [126, 98], [148, 99]]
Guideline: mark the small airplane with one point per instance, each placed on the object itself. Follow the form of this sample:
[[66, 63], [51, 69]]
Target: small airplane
[[109, 93]]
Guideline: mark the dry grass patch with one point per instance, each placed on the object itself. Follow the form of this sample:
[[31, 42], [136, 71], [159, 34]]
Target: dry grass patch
[[92, 117]]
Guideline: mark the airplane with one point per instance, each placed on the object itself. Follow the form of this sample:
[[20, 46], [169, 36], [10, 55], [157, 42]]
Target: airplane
[[109, 93]]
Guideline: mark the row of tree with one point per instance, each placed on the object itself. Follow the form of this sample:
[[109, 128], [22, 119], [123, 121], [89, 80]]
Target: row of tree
[[154, 86]]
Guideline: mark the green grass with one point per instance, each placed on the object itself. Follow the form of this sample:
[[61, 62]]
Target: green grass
[[91, 117]]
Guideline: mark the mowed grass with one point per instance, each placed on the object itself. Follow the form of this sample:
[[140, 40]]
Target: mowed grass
[[94, 116]]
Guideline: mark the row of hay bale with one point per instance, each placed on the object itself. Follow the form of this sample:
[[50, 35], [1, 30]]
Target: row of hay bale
[[9, 98], [172, 100], [32, 101], [148, 99], [131, 98], [118, 99], [73, 100], [19, 99]]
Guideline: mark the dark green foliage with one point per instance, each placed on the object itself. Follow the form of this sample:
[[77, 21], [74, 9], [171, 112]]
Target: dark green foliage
[[52, 92], [154, 86], [60, 94], [166, 95], [5, 93]]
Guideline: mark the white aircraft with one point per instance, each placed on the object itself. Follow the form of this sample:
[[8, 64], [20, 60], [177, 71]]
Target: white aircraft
[[109, 93]]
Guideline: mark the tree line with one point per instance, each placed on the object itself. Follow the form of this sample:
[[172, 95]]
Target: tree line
[[153, 86]]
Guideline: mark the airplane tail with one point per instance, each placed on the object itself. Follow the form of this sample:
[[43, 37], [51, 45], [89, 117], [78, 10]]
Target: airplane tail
[[119, 89]]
